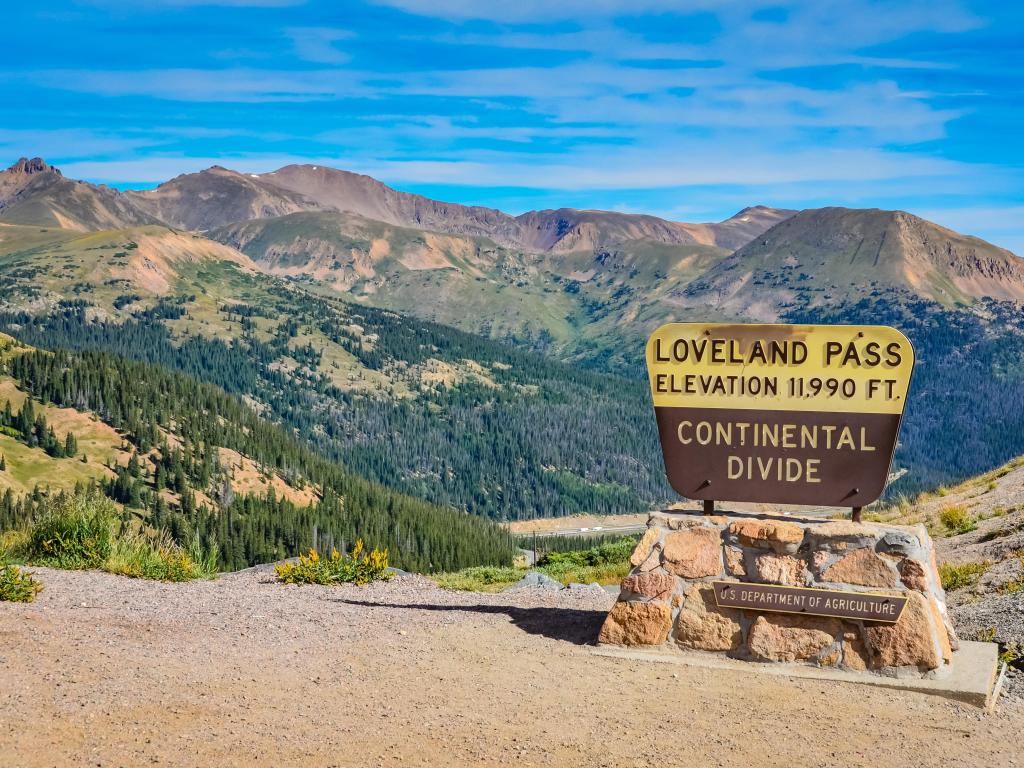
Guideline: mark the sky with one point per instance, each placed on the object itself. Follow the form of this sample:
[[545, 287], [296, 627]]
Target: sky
[[686, 110]]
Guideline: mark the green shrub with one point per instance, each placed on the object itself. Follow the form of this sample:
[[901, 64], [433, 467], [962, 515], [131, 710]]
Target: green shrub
[[74, 532], [962, 575], [603, 554], [357, 567], [565, 542], [17, 586], [159, 559], [479, 578], [12, 543], [606, 563], [606, 573], [1011, 654], [957, 520], [78, 531]]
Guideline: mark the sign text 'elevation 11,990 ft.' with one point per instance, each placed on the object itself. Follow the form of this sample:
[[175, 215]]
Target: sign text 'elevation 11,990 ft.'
[[789, 414]]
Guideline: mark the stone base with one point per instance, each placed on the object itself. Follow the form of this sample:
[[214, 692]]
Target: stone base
[[667, 601], [972, 679]]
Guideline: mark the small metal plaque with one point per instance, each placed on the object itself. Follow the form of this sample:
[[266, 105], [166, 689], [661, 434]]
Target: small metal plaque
[[868, 606]]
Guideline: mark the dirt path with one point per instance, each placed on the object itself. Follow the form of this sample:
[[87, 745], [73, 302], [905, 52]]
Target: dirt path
[[107, 671]]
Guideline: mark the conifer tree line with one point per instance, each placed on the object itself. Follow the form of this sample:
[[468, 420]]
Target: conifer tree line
[[163, 479], [32, 429], [549, 440]]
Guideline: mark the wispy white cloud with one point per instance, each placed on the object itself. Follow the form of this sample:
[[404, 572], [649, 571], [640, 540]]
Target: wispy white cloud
[[645, 168], [158, 4], [317, 44], [814, 100], [238, 84], [637, 168], [859, 22], [583, 93], [531, 10], [69, 143]]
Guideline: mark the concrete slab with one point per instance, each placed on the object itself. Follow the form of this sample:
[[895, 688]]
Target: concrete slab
[[970, 680]]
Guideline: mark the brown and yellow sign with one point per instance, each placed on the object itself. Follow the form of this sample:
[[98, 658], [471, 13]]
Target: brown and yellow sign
[[789, 414]]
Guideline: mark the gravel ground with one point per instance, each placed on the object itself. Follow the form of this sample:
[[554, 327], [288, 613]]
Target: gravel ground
[[108, 671], [989, 609], [1003, 615]]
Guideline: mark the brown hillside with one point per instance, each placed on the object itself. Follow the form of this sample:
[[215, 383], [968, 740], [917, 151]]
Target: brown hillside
[[828, 254], [32, 192]]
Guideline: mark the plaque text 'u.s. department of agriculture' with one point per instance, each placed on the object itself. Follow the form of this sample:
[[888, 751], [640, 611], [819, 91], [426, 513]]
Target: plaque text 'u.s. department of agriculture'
[[812, 602]]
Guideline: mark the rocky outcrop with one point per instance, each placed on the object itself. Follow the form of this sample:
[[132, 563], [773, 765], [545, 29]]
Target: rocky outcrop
[[35, 165]]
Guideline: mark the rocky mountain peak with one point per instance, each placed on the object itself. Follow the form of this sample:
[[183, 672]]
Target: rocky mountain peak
[[35, 165]]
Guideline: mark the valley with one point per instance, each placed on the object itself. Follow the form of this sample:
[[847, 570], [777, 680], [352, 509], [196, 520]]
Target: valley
[[405, 384], [485, 362]]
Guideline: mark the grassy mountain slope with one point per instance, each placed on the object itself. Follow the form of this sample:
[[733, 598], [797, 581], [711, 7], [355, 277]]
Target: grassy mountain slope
[[467, 282], [575, 303], [28, 467], [101, 448], [187, 457], [420, 407], [978, 526], [115, 267]]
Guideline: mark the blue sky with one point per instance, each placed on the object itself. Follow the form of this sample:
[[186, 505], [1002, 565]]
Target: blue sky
[[685, 110]]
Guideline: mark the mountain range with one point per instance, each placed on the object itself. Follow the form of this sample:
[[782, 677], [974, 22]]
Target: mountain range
[[569, 281], [485, 361]]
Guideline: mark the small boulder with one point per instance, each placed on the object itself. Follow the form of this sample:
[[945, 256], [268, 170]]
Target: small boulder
[[535, 580], [636, 624], [783, 637], [580, 587], [778, 535], [693, 553], [862, 567]]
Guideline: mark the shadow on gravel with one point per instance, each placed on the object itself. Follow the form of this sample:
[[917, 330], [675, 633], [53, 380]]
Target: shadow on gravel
[[569, 624]]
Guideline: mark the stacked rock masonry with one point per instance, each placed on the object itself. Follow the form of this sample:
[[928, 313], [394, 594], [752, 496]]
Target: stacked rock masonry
[[668, 599]]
